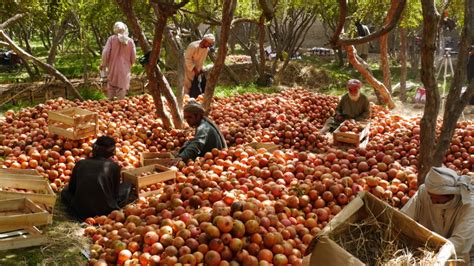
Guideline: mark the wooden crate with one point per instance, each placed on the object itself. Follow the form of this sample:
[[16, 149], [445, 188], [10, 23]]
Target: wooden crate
[[21, 213], [28, 237], [351, 137], [20, 173], [162, 158], [46, 198], [164, 175], [269, 146], [73, 123]]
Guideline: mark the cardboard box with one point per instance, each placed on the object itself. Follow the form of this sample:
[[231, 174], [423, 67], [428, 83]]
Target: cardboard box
[[21, 213], [162, 158], [269, 146], [73, 123], [133, 176], [324, 249], [351, 137]]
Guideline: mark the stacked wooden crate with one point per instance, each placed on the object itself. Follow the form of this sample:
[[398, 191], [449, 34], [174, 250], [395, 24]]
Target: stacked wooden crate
[[73, 123], [26, 201]]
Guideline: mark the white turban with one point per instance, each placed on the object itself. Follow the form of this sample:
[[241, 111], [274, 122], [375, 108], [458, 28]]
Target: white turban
[[210, 38], [354, 83], [445, 181], [122, 31]]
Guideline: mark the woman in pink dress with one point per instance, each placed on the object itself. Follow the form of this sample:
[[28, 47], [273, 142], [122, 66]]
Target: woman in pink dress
[[118, 57]]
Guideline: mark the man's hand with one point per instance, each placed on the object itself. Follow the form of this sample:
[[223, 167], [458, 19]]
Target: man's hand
[[445, 253], [175, 161]]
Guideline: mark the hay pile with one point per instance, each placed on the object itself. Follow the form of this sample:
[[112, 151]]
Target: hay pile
[[377, 243]]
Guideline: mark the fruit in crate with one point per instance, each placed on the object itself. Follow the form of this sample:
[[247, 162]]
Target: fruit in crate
[[351, 126], [19, 190]]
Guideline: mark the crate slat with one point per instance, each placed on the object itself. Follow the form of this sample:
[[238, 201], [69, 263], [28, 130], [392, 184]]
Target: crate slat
[[269, 146], [29, 237], [149, 158], [21, 213], [46, 198]]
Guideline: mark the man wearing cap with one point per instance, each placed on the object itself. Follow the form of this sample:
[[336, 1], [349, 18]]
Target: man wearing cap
[[445, 205], [206, 137], [353, 105], [95, 188], [194, 58]]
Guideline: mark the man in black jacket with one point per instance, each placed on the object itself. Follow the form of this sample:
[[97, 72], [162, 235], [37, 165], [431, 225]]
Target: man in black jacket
[[95, 188], [207, 135]]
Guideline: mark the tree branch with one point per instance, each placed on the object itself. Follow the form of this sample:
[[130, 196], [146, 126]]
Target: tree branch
[[11, 20], [384, 30]]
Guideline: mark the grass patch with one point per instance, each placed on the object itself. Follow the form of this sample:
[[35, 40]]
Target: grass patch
[[16, 107], [64, 245], [227, 91], [91, 93]]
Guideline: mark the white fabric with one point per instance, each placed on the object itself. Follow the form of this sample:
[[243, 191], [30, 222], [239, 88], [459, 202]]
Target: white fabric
[[122, 31], [194, 57], [445, 181], [354, 83], [354, 97], [454, 223], [210, 38]]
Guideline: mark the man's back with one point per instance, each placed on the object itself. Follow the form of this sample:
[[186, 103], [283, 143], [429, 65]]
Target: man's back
[[94, 185]]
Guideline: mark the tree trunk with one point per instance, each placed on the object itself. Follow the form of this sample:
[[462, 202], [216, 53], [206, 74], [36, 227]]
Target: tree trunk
[[428, 72], [384, 58], [384, 93], [51, 70], [455, 102], [403, 64], [227, 16], [176, 44], [58, 37], [126, 7], [262, 79], [413, 56], [163, 84]]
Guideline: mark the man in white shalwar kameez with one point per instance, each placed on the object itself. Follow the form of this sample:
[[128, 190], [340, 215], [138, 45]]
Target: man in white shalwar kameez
[[445, 205], [194, 58]]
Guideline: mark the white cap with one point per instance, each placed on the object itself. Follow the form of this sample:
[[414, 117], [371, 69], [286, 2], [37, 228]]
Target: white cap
[[210, 38]]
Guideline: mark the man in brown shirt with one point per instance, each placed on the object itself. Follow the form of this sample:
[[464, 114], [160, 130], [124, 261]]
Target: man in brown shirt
[[353, 105]]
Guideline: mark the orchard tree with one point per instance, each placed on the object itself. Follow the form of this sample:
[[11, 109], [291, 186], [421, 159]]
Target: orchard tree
[[433, 147], [396, 9], [411, 21]]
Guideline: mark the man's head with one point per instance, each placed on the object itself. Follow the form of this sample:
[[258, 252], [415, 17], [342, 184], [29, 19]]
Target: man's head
[[443, 184], [207, 41], [104, 147], [120, 28], [193, 113], [353, 87]]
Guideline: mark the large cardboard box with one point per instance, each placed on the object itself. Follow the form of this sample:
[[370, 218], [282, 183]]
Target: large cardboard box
[[323, 250]]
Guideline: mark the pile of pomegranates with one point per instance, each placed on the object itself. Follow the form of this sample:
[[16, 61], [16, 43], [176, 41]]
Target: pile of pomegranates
[[238, 205]]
